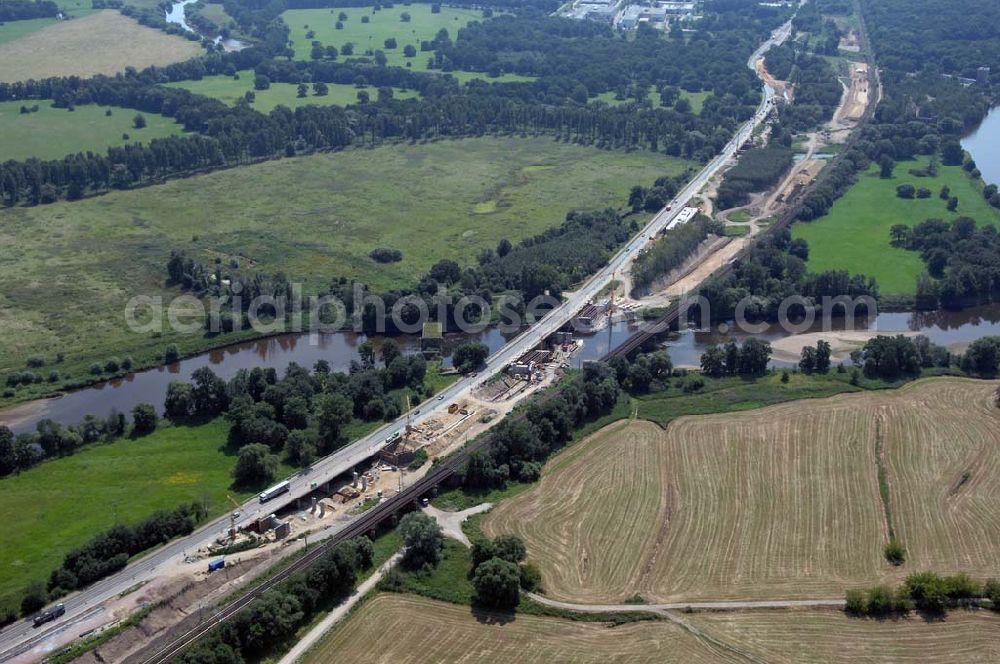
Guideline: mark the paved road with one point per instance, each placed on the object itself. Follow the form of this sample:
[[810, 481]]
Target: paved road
[[20, 637]]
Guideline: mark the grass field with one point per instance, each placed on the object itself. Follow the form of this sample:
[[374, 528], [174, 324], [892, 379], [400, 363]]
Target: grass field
[[777, 502], [52, 133], [16, 29], [314, 218], [382, 25], [61, 504], [798, 637], [230, 90], [423, 630], [101, 43], [217, 14], [854, 236]]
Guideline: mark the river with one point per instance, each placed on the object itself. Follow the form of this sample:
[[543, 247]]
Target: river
[[275, 352], [176, 15], [952, 329], [984, 146]]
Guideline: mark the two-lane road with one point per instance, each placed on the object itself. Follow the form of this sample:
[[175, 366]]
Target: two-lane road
[[21, 637]]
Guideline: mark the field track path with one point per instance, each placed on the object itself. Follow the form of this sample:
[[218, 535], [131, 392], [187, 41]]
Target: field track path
[[720, 605]]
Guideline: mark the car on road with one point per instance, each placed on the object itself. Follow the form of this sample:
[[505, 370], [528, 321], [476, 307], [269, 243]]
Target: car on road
[[440, 397], [48, 615]]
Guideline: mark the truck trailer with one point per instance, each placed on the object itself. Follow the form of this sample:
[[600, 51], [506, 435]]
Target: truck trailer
[[275, 491]]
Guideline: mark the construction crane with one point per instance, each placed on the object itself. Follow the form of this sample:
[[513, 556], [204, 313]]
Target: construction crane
[[235, 514], [611, 307], [409, 427]]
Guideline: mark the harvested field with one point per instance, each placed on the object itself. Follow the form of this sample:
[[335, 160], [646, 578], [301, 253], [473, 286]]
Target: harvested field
[[943, 452], [423, 630], [781, 502], [102, 43], [831, 636]]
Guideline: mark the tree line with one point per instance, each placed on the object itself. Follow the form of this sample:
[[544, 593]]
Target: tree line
[[926, 592], [300, 416], [757, 169], [110, 551], [669, 251], [772, 270], [817, 90], [734, 359], [894, 357], [21, 10], [519, 446], [222, 136], [962, 260], [277, 615]]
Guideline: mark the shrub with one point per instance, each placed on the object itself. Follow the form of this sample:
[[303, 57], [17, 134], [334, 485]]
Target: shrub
[[171, 354], [855, 603], [419, 459], [36, 362], [927, 590], [143, 419], [961, 587], [693, 384], [470, 356], [880, 601], [386, 255], [255, 465], [895, 552], [991, 591], [423, 539], [531, 577], [34, 599], [498, 584]]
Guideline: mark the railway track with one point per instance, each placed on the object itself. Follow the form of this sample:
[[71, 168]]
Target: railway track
[[364, 524], [409, 497]]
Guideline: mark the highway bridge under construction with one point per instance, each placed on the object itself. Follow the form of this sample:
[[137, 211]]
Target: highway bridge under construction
[[390, 509], [18, 640]]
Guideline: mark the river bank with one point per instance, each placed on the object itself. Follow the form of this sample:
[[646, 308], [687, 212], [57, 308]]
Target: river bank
[[952, 329]]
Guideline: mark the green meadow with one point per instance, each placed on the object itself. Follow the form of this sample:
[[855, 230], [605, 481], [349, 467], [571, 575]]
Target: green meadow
[[52, 133], [315, 218], [61, 504], [383, 24], [229, 89], [854, 235]]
